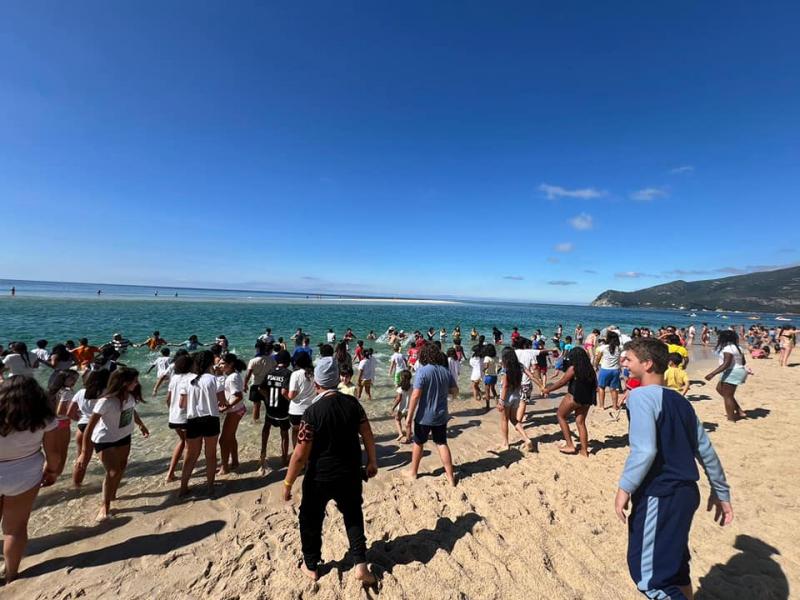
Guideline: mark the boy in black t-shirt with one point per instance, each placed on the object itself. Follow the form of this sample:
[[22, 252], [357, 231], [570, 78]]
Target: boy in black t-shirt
[[329, 445], [275, 389]]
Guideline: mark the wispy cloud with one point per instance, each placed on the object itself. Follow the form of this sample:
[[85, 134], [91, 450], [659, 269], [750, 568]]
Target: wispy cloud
[[582, 222], [682, 169], [681, 272], [309, 278], [561, 282], [648, 194], [552, 192], [553, 260], [590, 271], [514, 277], [564, 247], [633, 275], [786, 250]]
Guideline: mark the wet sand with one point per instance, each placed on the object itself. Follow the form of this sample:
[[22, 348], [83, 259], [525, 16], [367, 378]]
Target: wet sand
[[518, 525]]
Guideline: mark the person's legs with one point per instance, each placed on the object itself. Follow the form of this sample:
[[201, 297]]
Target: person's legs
[[398, 421], [311, 517], [210, 444], [16, 510], [285, 445], [501, 410], [727, 392], [256, 411], [601, 397], [615, 398], [262, 459], [447, 462], [113, 460], [368, 389], [227, 439], [517, 417], [476, 391], [63, 434], [176, 454], [564, 409], [77, 473], [349, 500], [416, 457], [193, 446], [583, 434]]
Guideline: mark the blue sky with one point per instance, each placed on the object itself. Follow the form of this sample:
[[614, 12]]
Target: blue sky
[[511, 150]]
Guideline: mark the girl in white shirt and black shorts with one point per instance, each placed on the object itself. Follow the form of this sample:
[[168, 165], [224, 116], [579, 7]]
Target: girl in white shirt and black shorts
[[109, 430], [181, 375], [202, 398]]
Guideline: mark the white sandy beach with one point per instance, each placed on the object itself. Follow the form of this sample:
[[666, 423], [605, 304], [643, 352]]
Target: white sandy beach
[[517, 525]]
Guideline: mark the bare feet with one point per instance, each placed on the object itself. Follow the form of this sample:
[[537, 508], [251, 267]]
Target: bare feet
[[264, 470], [531, 446], [408, 474], [102, 515], [311, 574], [568, 449], [170, 478], [363, 574], [183, 492]]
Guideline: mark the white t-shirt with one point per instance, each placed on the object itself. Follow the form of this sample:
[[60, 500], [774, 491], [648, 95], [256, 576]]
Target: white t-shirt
[[201, 397], [84, 406], [738, 359], [608, 360], [454, 367], [64, 396], [116, 419], [367, 368], [16, 365], [489, 365], [42, 354], [21, 444], [399, 362], [234, 384], [477, 368], [306, 394], [177, 415], [331, 337], [405, 396], [527, 358], [259, 367], [163, 365]]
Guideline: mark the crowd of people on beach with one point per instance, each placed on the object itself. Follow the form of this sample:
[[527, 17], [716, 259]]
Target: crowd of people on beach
[[316, 403]]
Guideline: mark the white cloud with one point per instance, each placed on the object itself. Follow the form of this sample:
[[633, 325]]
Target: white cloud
[[648, 194], [553, 192], [582, 222], [514, 277], [552, 260], [632, 275], [564, 247], [682, 169], [561, 282]]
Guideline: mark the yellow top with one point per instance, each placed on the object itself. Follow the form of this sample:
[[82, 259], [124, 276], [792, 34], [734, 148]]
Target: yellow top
[[679, 349], [675, 378]]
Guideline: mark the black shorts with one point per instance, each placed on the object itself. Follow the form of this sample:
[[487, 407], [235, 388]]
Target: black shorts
[[284, 424], [202, 427], [255, 395], [177, 425], [82, 427], [295, 420], [437, 432], [100, 446]]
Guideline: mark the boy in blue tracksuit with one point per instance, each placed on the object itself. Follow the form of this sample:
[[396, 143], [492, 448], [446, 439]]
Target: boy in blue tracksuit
[[660, 477]]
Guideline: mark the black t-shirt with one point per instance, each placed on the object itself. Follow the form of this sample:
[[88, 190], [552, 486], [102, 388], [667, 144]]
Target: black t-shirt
[[541, 358], [275, 403], [332, 424]]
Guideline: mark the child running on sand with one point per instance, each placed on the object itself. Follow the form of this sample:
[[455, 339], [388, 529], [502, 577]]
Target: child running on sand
[[660, 477], [400, 406], [581, 395]]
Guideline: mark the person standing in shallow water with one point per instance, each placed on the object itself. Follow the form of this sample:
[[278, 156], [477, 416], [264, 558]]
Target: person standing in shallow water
[[328, 447]]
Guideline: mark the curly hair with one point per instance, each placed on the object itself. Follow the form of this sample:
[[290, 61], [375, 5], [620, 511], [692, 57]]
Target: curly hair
[[429, 355], [24, 405]]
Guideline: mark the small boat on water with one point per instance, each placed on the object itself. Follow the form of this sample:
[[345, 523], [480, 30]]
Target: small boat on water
[[754, 318], [782, 319]]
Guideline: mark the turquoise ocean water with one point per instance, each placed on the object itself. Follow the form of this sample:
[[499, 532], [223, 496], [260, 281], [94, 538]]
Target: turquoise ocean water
[[57, 312]]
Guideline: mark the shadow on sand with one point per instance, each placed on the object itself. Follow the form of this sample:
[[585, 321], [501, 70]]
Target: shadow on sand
[[749, 575]]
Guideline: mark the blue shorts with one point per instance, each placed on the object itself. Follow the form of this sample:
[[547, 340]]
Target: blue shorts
[[658, 541], [490, 379], [608, 378]]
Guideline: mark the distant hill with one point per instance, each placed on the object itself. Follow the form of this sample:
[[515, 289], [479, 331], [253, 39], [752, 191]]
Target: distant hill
[[765, 291]]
